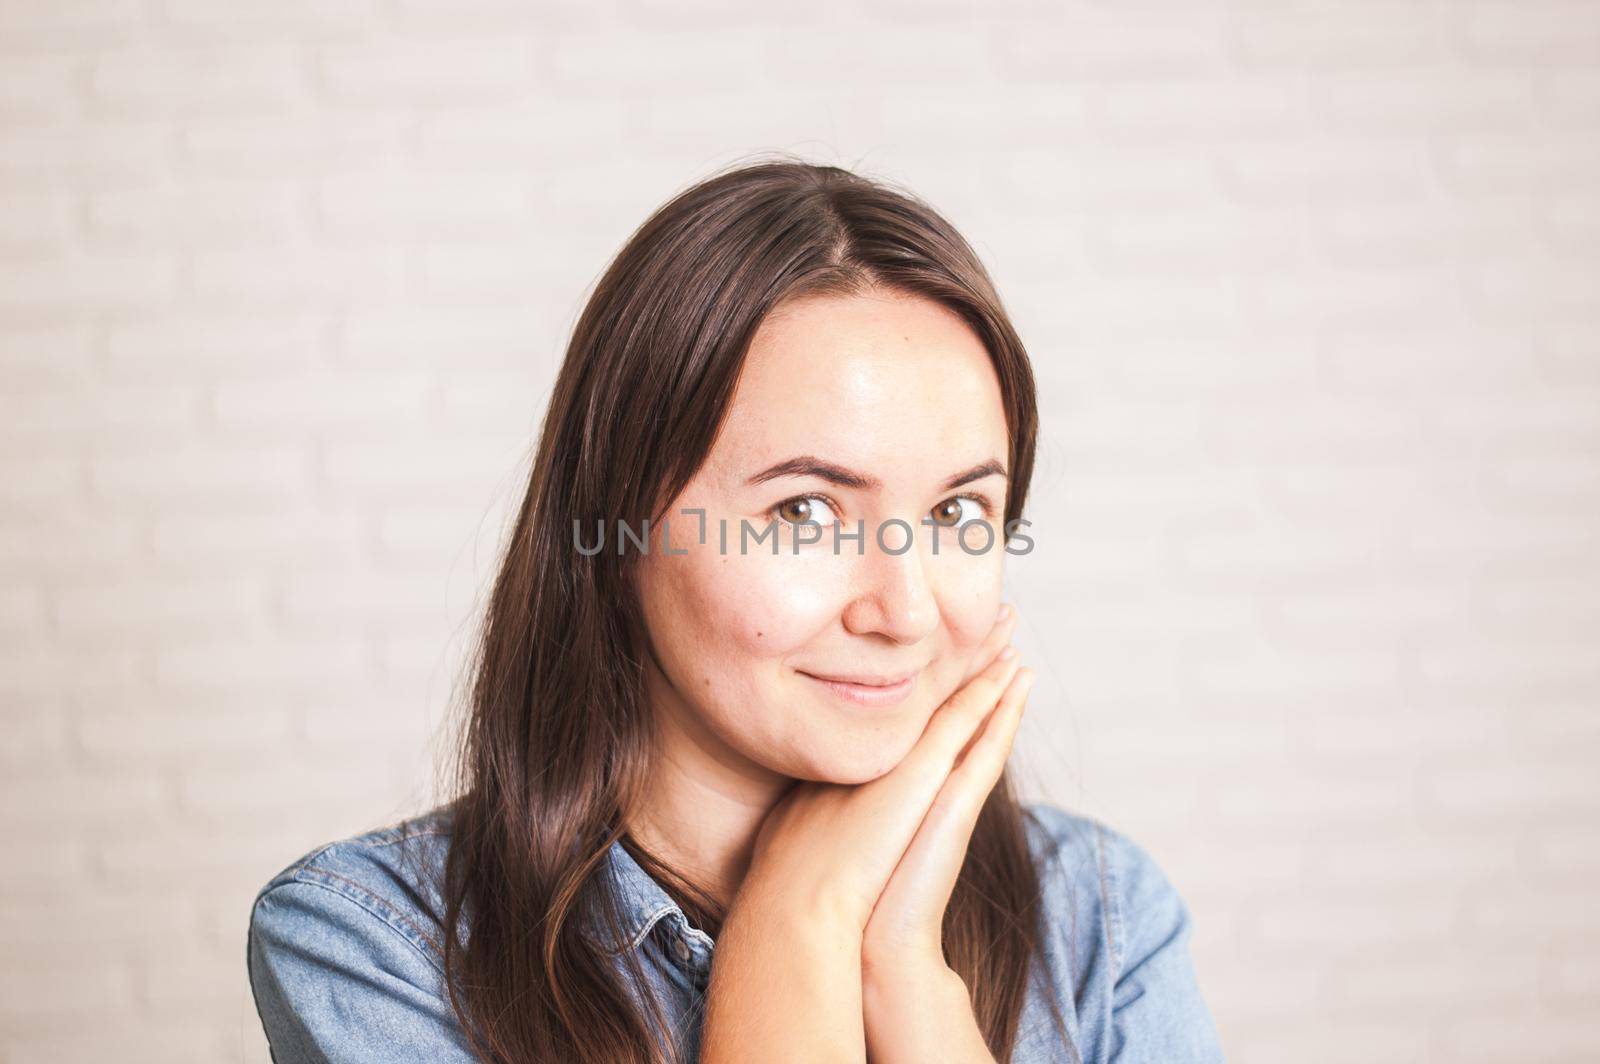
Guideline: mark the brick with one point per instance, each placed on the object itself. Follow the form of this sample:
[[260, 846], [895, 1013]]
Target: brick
[[1298, 1037], [148, 604], [476, 271], [208, 22], [1423, 99], [1483, 163], [508, 397], [1574, 978], [128, 1038], [25, 22], [600, 63], [192, 214], [38, 726], [327, 399], [21, 608], [77, 543], [53, 867], [286, 662], [42, 482], [1532, 1034], [47, 158], [289, 537], [430, 71], [508, 12], [319, 142], [497, 136], [355, 599], [1568, 850], [150, 81], [440, 205], [1098, 44], [101, 413], [502, 334], [57, 994], [41, 89], [1568, 96], [1265, 239], [1331, 169], [173, 474], [1348, 798], [1558, 792], [62, 352], [1386, 235], [47, 803], [1213, 110], [1349, 35], [1337, 925], [214, 345], [298, 277], [466, 466], [73, 285], [35, 223], [1499, 33]]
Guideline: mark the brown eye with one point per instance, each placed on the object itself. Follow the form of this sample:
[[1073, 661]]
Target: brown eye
[[949, 513], [803, 509]]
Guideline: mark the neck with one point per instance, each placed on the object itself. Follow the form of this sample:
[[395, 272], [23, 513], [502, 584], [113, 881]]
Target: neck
[[704, 803]]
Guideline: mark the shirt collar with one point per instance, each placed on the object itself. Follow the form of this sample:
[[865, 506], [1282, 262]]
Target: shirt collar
[[641, 903]]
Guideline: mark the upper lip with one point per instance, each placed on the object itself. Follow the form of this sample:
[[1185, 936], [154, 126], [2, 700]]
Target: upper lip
[[866, 679]]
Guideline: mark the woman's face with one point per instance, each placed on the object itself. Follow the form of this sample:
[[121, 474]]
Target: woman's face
[[862, 408]]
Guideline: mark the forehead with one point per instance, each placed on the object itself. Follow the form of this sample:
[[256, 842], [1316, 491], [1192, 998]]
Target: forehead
[[887, 383]]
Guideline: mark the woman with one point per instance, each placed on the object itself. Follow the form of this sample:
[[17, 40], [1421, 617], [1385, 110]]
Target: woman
[[744, 686]]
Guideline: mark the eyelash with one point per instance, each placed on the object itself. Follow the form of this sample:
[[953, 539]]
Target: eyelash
[[981, 500]]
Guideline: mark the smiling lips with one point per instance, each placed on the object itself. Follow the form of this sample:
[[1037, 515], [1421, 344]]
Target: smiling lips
[[868, 690]]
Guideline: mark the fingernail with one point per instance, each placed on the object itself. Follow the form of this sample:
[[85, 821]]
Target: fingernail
[[1008, 653], [1005, 611]]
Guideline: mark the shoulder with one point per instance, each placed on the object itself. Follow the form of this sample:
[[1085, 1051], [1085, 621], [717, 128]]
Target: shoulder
[[392, 873], [1117, 942], [1110, 882], [345, 950]]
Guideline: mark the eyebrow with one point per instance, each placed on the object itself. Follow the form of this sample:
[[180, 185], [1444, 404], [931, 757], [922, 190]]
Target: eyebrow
[[808, 465]]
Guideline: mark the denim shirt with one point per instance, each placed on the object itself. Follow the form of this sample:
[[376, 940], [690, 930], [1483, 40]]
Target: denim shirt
[[345, 964]]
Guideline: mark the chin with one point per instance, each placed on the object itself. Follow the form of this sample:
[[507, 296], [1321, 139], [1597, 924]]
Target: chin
[[863, 760]]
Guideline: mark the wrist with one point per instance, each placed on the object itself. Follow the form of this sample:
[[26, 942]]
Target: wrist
[[915, 980], [816, 914], [913, 1014]]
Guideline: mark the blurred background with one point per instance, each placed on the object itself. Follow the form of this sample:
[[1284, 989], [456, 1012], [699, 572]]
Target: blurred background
[[1315, 597]]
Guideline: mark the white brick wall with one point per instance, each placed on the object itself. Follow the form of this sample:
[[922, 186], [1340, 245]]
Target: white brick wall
[[1311, 293]]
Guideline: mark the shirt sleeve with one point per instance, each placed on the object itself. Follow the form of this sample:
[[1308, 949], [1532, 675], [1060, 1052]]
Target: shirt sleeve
[[1157, 1013], [336, 983]]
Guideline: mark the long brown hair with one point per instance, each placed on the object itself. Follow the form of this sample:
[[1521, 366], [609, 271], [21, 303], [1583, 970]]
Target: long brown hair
[[558, 735]]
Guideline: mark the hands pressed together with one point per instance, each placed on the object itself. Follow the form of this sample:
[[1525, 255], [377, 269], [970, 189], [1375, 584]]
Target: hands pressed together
[[832, 949]]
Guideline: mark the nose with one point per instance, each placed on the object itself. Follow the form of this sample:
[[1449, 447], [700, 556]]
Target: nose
[[893, 596]]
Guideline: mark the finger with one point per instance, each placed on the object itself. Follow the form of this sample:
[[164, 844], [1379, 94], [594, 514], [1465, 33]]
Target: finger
[[986, 754], [932, 862], [962, 715], [961, 800], [924, 768]]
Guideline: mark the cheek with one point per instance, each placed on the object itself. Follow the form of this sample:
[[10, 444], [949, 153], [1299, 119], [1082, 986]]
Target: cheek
[[971, 595], [773, 607], [738, 611]]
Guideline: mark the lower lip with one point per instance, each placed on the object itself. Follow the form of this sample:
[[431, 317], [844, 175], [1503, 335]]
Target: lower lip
[[865, 694]]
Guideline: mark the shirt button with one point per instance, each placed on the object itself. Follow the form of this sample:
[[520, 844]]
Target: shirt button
[[681, 948]]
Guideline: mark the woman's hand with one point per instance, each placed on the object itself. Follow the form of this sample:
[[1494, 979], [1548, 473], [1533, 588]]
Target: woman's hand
[[915, 1007], [792, 948], [832, 848], [907, 920]]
